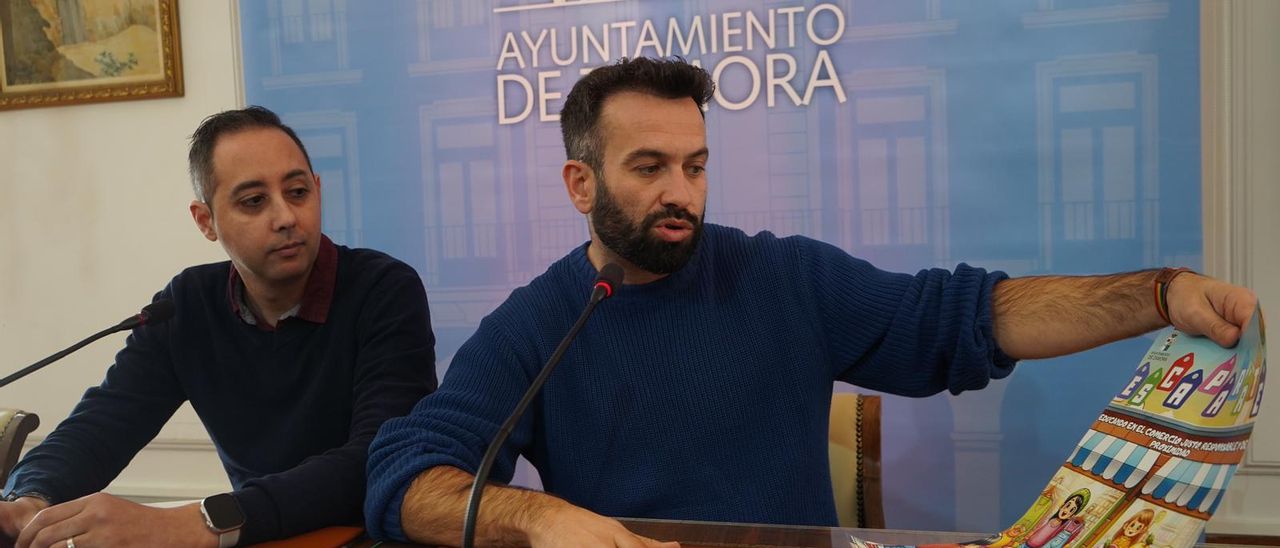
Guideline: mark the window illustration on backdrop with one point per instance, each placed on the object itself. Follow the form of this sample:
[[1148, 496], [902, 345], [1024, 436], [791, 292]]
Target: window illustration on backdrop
[[1097, 141], [871, 20], [465, 204], [308, 44], [444, 26], [333, 145], [895, 203], [1062, 13]]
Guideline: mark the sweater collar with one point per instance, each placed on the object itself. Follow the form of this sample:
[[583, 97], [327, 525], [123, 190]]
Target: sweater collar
[[316, 297], [667, 285]]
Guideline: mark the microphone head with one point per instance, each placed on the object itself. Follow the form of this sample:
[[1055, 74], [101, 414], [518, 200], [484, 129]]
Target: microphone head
[[157, 312], [610, 278]]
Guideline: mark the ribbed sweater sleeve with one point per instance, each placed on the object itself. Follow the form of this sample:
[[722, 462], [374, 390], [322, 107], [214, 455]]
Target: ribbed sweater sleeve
[[112, 422], [911, 335], [453, 426]]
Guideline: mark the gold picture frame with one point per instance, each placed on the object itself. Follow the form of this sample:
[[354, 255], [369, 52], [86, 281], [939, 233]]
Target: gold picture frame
[[67, 52]]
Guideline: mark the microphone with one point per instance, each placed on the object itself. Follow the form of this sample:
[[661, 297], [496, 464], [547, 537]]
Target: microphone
[[606, 283], [153, 313], [610, 278], [156, 312]]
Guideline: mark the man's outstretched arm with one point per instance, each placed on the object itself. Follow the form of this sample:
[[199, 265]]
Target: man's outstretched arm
[[436, 501], [1046, 316]]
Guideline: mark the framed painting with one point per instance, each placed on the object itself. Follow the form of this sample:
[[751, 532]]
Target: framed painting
[[63, 52]]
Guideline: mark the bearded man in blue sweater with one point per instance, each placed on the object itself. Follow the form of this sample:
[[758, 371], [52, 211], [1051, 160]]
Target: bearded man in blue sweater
[[292, 353], [701, 390]]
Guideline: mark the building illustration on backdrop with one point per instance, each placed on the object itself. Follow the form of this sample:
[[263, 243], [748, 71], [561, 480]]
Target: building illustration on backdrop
[[403, 126]]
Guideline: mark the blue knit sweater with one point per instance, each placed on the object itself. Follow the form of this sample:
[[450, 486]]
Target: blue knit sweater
[[290, 411], [701, 396]]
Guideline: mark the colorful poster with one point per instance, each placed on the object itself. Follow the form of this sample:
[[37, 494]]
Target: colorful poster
[[1152, 469]]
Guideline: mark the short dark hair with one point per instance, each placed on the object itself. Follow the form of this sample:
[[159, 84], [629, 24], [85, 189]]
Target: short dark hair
[[200, 156], [670, 78]]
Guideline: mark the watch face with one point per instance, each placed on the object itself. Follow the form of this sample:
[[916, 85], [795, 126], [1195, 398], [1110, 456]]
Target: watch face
[[224, 512]]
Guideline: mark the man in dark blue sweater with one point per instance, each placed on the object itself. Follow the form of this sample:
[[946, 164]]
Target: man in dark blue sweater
[[292, 353], [701, 389]]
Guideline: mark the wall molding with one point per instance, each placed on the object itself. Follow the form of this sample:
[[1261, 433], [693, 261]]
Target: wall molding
[[1238, 127], [1221, 125], [237, 55], [167, 469], [158, 444], [1227, 114]]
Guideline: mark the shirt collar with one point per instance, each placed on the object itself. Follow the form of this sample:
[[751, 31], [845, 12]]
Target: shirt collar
[[316, 297]]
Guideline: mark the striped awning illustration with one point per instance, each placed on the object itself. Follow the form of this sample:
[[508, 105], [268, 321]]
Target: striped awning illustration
[[1190, 484], [1113, 459], [1186, 483]]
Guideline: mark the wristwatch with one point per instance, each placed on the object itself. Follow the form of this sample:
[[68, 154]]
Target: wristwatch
[[15, 495], [223, 516]]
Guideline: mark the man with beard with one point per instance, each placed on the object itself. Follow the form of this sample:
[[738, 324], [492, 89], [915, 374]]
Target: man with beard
[[701, 391]]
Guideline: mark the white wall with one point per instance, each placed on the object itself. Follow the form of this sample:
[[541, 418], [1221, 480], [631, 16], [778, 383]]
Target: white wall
[[93, 221]]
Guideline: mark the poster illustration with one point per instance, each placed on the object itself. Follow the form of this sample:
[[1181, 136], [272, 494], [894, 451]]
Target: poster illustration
[[1154, 466]]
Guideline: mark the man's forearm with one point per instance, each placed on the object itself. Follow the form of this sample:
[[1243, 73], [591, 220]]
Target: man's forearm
[[1046, 316], [436, 501]]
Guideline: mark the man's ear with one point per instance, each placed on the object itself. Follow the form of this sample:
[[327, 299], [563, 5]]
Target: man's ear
[[203, 216], [580, 181]]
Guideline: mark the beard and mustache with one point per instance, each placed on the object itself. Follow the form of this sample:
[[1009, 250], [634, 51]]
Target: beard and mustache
[[634, 241]]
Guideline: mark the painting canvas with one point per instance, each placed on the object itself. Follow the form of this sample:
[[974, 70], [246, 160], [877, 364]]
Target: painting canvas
[[76, 51]]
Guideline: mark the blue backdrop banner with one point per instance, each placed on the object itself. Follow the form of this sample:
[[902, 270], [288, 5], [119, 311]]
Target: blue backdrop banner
[[1032, 136]]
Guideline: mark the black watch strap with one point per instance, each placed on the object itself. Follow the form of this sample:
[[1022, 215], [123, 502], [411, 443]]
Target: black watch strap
[[15, 495]]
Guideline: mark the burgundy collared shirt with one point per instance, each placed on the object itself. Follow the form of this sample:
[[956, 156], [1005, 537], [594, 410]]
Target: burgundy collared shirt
[[316, 298]]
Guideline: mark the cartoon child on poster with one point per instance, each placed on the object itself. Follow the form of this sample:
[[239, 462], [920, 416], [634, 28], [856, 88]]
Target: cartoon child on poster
[[1015, 533], [1056, 530], [1130, 535]]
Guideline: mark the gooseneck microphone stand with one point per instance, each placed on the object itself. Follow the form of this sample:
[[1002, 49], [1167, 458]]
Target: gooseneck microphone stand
[[155, 312], [610, 277]]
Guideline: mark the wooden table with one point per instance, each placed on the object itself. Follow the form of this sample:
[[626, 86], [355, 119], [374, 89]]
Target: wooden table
[[697, 534], [701, 534]]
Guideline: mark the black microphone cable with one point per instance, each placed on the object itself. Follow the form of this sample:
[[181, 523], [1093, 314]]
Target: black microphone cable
[[609, 279], [153, 313]]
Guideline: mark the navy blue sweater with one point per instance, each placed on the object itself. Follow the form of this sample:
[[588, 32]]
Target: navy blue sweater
[[291, 411], [704, 395]]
